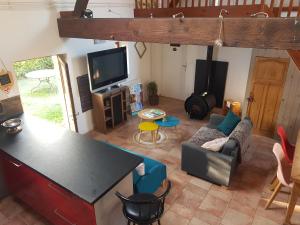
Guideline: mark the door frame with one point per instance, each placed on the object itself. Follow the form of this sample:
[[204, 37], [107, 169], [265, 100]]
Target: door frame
[[250, 84], [67, 92]]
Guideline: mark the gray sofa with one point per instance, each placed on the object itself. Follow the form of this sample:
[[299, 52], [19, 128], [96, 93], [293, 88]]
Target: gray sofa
[[216, 167]]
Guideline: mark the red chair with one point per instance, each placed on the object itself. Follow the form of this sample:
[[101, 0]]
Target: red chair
[[283, 172], [288, 149]]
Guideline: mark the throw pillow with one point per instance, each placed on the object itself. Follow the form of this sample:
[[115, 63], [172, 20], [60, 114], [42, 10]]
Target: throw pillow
[[229, 123], [140, 169], [215, 145]]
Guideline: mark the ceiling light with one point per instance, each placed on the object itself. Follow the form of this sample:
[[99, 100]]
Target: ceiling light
[[260, 14], [219, 42]]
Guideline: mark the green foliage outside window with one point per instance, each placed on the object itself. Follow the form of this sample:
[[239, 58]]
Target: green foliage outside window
[[23, 67]]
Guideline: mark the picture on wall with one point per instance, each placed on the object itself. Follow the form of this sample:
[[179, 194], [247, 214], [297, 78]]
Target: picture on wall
[[140, 48]]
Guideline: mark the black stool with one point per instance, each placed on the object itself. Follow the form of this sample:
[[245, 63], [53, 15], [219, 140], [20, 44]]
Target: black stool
[[144, 208]]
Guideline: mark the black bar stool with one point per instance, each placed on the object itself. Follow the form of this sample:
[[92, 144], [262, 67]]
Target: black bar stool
[[144, 208]]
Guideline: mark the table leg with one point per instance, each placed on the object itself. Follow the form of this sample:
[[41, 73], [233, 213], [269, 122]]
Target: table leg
[[140, 134], [154, 136], [292, 203], [49, 83], [40, 81], [274, 183]]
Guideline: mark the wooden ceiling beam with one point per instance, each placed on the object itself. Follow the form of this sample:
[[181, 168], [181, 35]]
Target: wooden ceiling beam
[[277, 33], [79, 8]]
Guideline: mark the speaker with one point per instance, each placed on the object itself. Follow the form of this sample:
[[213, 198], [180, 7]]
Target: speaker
[[117, 109]]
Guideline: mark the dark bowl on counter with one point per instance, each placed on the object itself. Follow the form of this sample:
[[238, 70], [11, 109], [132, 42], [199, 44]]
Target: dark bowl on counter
[[13, 126]]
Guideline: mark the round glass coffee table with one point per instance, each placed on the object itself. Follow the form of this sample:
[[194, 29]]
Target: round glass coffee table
[[151, 114]]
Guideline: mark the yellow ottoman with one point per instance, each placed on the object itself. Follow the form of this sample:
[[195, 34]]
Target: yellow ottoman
[[148, 126]]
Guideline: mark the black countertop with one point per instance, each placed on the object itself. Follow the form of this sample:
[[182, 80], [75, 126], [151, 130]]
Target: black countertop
[[85, 167]]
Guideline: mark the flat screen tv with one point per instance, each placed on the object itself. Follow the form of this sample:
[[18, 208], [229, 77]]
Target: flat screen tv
[[106, 68]]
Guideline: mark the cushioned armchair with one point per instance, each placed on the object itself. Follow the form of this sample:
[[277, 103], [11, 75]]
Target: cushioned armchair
[[216, 167], [155, 174]]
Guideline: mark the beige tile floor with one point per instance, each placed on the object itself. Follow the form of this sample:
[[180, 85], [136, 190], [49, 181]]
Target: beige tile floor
[[192, 201]]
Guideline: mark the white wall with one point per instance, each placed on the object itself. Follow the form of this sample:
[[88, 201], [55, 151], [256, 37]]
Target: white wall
[[238, 70], [29, 30]]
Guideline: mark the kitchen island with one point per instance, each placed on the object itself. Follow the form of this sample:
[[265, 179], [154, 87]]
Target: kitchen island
[[66, 177]]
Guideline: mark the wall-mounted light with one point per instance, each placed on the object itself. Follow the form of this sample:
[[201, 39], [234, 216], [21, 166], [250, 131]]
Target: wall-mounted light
[[175, 46], [260, 14], [88, 14], [180, 15]]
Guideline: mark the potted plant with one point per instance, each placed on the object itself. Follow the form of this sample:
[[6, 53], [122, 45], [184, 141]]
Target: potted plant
[[152, 93]]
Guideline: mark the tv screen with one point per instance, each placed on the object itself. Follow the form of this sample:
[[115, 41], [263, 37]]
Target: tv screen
[[107, 67]]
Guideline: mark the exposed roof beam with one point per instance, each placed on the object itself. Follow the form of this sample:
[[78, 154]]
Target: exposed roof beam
[[80, 7], [277, 33]]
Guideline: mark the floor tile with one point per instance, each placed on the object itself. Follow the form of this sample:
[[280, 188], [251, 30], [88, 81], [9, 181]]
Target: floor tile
[[213, 205], [233, 217], [206, 217], [196, 221], [241, 207], [182, 210], [221, 193], [171, 218], [259, 220], [189, 199], [192, 201], [201, 183]]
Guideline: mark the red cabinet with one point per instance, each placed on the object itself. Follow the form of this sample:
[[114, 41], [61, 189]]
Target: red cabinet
[[56, 204]]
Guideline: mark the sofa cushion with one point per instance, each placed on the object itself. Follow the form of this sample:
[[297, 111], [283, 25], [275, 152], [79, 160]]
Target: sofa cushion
[[229, 123], [241, 133], [140, 169], [205, 134], [216, 144]]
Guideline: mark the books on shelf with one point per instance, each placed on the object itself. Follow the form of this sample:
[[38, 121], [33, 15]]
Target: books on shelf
[[136, 98]]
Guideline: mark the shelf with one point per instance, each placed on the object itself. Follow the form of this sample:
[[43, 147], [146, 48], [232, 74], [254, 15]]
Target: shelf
[[107, 105]]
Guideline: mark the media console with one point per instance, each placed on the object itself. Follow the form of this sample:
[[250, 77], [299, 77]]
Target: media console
[[110, 108]]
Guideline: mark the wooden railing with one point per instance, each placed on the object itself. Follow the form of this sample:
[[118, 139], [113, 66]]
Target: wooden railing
[[274, 8]]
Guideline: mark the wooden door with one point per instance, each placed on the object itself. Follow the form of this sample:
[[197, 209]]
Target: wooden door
[[67, 91], [268, 80]]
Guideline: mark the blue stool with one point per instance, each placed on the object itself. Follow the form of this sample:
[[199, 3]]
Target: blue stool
[[168, 121]]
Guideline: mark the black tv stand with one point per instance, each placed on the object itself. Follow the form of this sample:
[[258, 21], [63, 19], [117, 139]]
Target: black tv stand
[[110, 108]]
